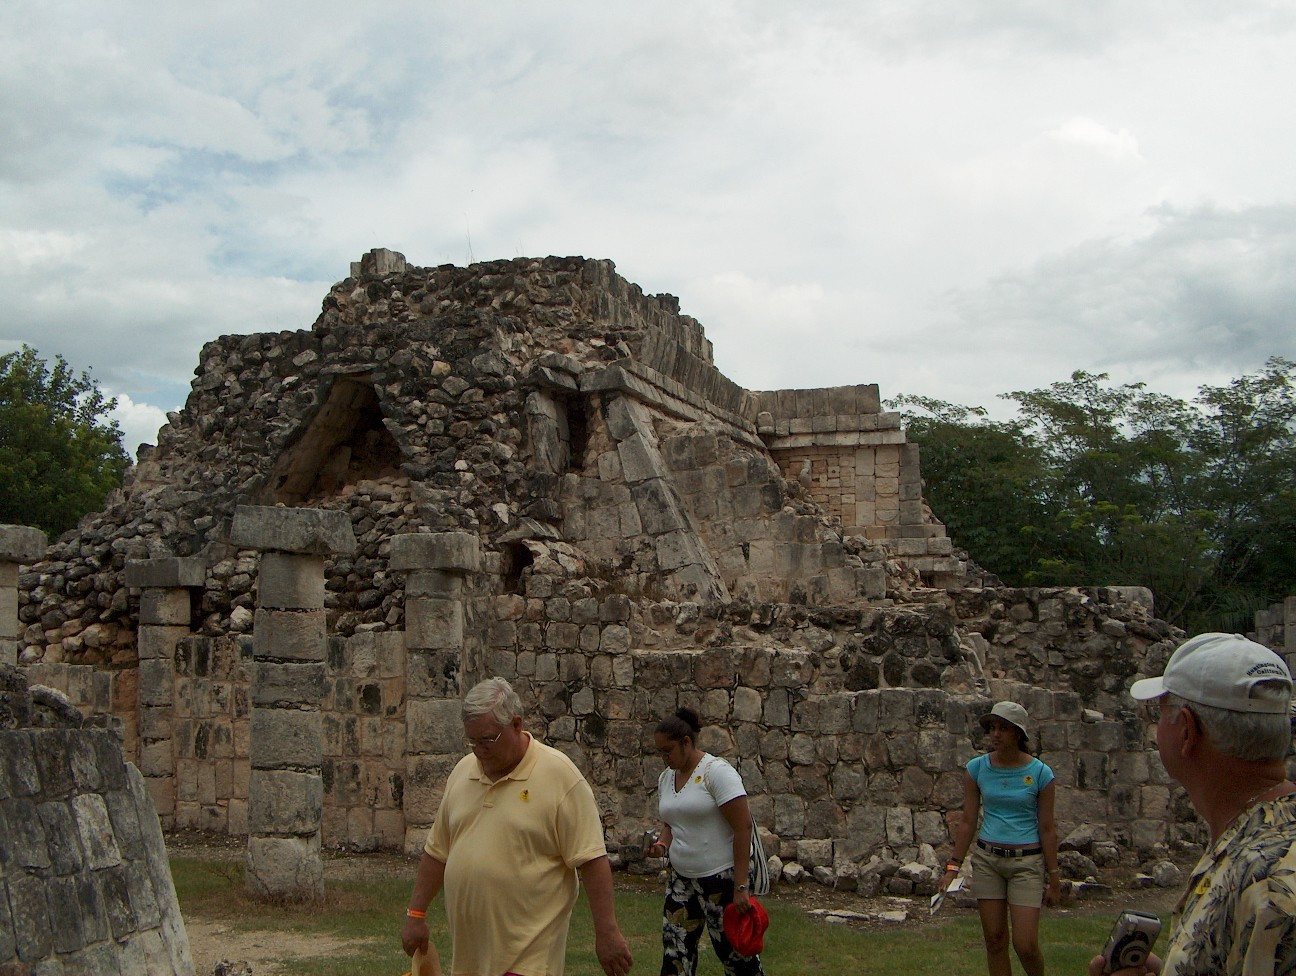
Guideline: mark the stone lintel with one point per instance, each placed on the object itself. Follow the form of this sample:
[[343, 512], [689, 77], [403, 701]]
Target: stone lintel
[[451, 551], [21, 544], [545, 378], [306, 531], [167, 571]]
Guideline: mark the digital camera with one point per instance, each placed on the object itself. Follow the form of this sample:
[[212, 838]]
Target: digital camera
[[1132, 938]]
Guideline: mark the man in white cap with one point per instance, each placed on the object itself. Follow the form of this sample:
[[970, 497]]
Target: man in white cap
[[1223, 727]]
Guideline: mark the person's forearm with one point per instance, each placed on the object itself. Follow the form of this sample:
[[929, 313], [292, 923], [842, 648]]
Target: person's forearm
[[428, 881], [963, 839], [1048, 841], [596, 876], [741, 855]]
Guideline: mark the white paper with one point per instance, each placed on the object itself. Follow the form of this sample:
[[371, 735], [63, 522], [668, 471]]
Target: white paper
[[938, 899]]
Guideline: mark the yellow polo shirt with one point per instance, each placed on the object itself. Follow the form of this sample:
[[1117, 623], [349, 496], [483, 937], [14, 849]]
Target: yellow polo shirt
[[511, 849]]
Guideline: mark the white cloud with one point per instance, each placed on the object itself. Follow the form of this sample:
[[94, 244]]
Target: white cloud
[[1087, 133], [950, 200], [139, 422]]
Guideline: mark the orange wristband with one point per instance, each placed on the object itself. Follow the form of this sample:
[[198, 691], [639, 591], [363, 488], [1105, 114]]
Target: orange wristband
[[414, 913]]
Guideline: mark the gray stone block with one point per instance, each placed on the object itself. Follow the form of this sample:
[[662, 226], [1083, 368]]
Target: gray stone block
[[434, 624], [434, 726], [21, 544], [29, 911], [444, 584], [451, 551], [285, 867], [286, 737], [19, 774], [283, 801], [165, 607], [287, 581], [288, 635], [156, 682], [287, 684], [640, 459], [307, 531], [168, 571], [95, 829]]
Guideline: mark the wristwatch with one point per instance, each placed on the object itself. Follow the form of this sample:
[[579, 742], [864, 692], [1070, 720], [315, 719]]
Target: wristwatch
[[740, 887]]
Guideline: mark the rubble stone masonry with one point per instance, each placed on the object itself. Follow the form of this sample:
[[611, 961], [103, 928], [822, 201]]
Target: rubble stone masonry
[[548, 479]]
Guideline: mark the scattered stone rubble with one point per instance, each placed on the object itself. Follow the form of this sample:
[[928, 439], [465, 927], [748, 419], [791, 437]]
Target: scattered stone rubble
[[602, 517]]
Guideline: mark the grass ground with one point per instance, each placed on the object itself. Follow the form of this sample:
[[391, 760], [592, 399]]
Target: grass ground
[[355, 930]]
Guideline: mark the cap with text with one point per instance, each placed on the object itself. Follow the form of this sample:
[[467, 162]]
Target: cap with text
[[1220, 670]]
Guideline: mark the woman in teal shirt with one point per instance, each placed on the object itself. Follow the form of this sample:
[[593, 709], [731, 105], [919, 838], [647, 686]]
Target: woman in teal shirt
[[1014, 864]]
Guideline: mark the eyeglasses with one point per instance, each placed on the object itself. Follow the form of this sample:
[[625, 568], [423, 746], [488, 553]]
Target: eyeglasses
[[1152, 709], [485, 741]]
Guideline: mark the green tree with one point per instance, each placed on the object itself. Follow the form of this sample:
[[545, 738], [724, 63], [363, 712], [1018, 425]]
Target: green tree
[[1093, 483], [60, 453]]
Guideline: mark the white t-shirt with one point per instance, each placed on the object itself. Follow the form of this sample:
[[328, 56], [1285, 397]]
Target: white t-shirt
[[701, 838]]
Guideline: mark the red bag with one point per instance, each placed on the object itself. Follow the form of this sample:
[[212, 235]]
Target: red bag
[[746, 930]]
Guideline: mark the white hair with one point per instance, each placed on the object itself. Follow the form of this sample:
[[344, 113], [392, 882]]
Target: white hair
[[494, 697], [1254, 736]]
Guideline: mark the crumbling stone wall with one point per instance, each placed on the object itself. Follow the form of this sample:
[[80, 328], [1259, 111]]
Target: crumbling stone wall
[[650, 534], [84, 880]]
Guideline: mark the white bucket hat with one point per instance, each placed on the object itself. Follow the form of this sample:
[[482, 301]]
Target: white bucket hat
[[1010, 712], [1220, 670]]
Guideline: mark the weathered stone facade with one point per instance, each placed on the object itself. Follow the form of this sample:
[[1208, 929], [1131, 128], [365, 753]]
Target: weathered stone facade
[[84, 882], [548, 479]]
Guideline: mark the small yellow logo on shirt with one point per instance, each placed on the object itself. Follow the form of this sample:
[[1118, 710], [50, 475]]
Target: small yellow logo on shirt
[[526, 796], [697, 779], [1028, 780]]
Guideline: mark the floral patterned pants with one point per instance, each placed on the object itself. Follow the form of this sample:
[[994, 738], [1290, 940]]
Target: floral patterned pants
[[692, 904]]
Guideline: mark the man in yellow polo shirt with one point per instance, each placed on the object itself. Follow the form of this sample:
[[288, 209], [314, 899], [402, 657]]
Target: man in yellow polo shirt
[[517, 823]]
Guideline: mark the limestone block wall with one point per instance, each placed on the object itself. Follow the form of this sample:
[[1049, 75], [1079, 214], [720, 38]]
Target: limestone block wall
[[362, 714], [95, 692], [839, 775], [84, 880], [853, 460]]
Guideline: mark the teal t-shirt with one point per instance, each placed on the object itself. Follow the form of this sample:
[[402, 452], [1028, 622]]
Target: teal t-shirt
[[1009, 800]]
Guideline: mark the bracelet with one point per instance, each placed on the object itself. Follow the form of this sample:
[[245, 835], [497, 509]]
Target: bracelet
[[953, 866], [740, 887], [415, 913]]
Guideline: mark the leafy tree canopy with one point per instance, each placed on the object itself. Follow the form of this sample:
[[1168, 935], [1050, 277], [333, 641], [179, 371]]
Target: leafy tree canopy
[[1093, 483], [60, 452]]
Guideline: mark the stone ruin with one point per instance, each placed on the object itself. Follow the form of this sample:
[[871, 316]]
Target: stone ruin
[[544, 477], [85, 886]]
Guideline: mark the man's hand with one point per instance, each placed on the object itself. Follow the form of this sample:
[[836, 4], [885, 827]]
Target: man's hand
[[613, 952], [1151, 966], [414, 935], [743, 900]]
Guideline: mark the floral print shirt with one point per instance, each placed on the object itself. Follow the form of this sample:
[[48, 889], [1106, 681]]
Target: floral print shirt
[[1237, 916]]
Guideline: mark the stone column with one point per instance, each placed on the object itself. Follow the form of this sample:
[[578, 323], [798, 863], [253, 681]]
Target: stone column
[[434, 566], [18, 544], [286, 788], [165, 617]]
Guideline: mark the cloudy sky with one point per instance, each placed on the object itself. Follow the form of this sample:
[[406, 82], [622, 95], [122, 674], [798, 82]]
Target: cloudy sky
[[954, 198]]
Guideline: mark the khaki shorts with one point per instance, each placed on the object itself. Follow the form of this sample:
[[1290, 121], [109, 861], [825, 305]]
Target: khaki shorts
[[1019, 880]]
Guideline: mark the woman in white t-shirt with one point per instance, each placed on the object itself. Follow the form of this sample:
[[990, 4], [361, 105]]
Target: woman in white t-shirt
[[706, 829]]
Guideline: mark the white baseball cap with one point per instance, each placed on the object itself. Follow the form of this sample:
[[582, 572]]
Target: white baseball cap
[[1220, 670]]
